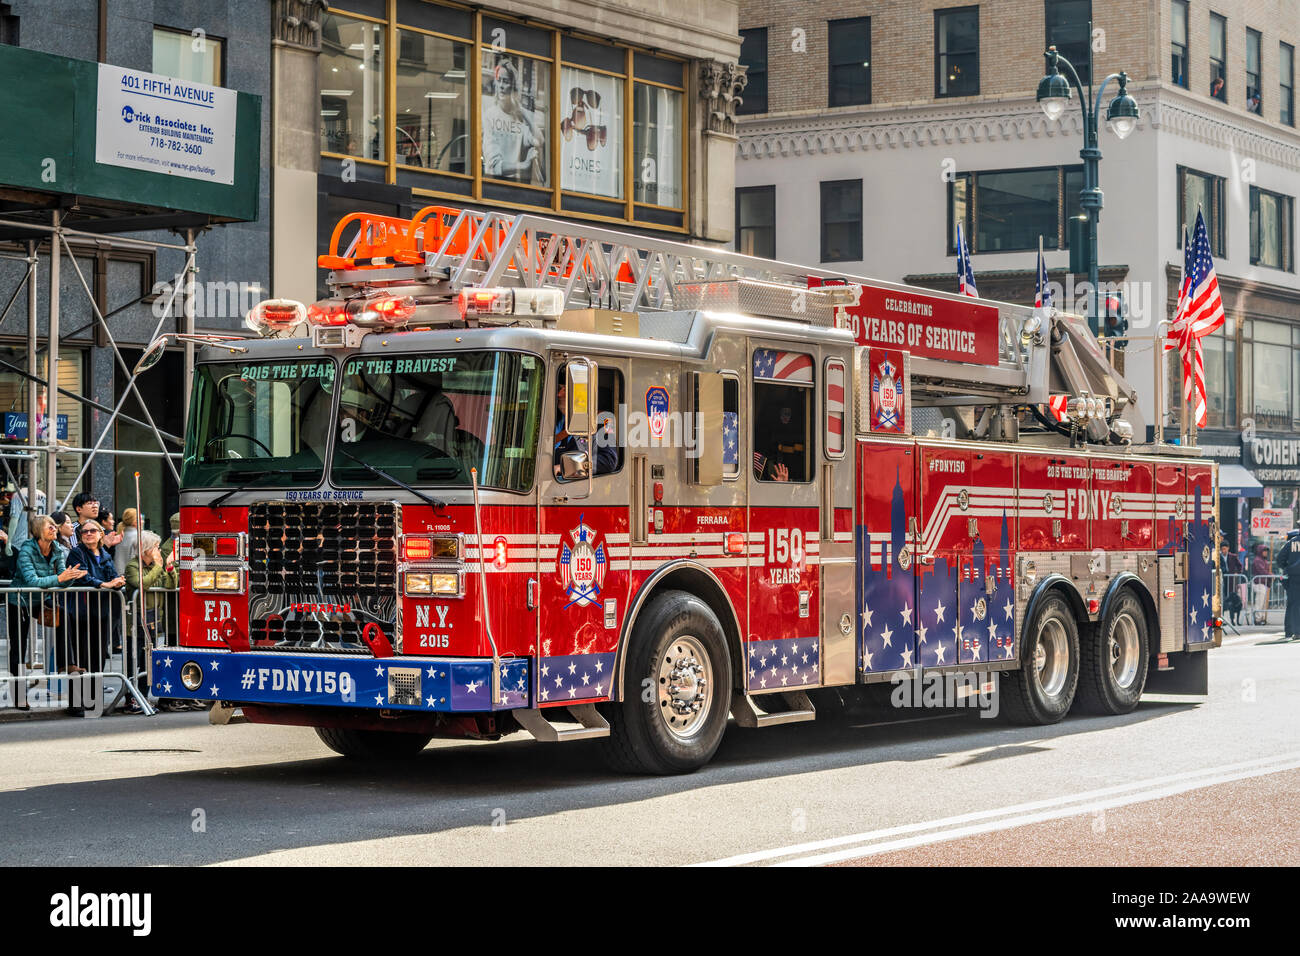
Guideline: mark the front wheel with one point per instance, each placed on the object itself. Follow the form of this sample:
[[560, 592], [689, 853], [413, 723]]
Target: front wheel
[[676, 695], [1114, 664], [372, 744], [1041, 691]]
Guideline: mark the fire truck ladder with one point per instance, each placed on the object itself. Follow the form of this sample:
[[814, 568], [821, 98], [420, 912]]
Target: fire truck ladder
[[443, 250]]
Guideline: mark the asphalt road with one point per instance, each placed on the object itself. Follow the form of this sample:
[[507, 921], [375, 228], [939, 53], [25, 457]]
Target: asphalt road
[[1214, 782]]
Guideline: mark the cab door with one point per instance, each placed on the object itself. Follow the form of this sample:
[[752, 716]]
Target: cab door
[[584, 552], [785, 546]]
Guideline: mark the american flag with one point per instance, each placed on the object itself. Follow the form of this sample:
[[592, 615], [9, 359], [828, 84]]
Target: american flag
[[782, 366], [760, 463], [834, 408], [1058, 404], [965, 274], [1042, 295], [1199, 312]]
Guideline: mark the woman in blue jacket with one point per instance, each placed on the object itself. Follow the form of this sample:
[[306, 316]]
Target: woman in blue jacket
[[96, 616], [40, 563]]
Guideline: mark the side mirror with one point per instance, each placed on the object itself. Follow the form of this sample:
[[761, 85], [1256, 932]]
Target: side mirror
[[579, 377], [152, 355], [574, 466]]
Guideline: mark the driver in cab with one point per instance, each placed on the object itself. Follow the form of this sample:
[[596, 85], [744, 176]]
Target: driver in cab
[[606, 453]]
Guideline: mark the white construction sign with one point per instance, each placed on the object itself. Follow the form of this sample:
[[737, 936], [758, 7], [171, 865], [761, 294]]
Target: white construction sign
[[164, 125]]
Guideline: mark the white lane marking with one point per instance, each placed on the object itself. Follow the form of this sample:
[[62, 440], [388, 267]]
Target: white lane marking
[[1142, 796], [759, 856]]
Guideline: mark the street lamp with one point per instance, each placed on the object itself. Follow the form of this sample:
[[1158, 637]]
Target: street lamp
[[1121, 116]]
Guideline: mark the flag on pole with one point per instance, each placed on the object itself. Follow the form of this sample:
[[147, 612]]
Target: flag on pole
[[965, 274], [1042, 295], [1199, 312], [1059, 405]]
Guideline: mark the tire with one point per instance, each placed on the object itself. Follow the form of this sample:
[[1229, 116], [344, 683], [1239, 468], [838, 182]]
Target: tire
[[678, 653], [1042, 690], [372, 744], [1113, 663]]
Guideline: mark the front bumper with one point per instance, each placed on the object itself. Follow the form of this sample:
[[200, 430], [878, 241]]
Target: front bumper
[[412, 684]]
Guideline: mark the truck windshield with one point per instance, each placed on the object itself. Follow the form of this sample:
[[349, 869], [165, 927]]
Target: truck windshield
[[259, 420], [427, 419]]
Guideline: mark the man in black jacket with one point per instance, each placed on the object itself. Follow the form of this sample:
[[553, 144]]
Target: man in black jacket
[[1288, 563]]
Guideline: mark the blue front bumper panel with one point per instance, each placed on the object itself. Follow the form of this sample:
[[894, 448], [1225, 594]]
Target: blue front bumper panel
[[431, 685]]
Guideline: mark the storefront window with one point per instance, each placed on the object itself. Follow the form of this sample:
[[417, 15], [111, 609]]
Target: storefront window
[[515, 118], [591, 149], [351, 69], [432, 126], [657, 146], [16, 423], [1271, 363]]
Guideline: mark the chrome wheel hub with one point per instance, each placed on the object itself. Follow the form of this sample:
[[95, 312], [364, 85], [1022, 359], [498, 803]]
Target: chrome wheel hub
[[685, 687], [1052, 657], [1123, 648]]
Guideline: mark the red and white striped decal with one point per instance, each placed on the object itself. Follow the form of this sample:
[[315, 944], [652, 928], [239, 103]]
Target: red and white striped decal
[[834, 408]]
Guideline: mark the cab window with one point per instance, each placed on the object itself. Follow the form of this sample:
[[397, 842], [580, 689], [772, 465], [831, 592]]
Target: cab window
[[609, 443], [783, 416]]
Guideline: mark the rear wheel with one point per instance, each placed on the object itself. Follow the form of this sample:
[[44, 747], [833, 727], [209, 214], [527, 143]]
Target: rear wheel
[[1041, 691], [372, 744], [675, 696], [1113, 665]]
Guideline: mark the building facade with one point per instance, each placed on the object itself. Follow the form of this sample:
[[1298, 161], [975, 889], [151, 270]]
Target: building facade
[[870, 129], [601, 111]]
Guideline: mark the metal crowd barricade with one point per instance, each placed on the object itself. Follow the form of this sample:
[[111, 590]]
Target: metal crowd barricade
[[1235, 586], [1267, 594], [71, 647], [164, 628]]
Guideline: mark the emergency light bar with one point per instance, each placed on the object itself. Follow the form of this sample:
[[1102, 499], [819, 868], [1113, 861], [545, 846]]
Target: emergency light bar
[[474, 303], [275, 316], [385, 311]]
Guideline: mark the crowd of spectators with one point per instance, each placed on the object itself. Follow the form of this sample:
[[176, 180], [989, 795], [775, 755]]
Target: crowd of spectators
[[64, 558]]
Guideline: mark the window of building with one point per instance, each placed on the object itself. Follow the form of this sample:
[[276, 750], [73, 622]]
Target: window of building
[[1218, 57], [756, 221], [71, 425], [1269, 390], [1270, 229], [1286, 83], [8, 25], [1253, 88], [657, 145], [1178, 41], [433, 93], [194, 57], [1007, 210], [1219, 353], [1201, 192], [957, 51], [1067, 30], [783, 416], [525, 116], [753, 54], [351, 70], [849, 58], [842, 221]]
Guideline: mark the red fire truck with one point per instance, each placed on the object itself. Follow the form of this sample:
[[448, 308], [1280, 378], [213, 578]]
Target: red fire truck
[[522, 474]]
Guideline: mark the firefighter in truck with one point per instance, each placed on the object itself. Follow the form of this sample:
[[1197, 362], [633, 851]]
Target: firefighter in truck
[[518, 474]]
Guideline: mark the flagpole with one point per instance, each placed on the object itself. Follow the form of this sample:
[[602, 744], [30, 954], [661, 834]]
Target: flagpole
[[1161, 374]]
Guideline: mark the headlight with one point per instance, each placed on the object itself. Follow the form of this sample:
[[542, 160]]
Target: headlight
[[228, 580], [444, 583], [418, 584], [203, 580]]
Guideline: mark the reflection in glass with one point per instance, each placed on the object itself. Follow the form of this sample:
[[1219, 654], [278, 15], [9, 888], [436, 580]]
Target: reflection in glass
[[657, 146], [432, 122], [351, 71]]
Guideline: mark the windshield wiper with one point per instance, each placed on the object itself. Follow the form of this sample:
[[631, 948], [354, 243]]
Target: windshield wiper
[[438, 503], [261, 475]]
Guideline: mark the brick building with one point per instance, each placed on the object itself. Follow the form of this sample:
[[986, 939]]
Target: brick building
[[871, 128]]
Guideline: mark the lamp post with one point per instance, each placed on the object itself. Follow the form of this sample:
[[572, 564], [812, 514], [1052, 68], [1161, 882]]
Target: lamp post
[[1121, 116]]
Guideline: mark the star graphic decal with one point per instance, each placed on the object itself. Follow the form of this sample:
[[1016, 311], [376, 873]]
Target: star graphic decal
[[216, 665], [938, 612], [907, 657], [866, 659], [167, 688], [1010, 608], [921, 631], [546, 670], [167, 662], [213, 691], [572, 667], [473, 686], [600, 665], [432, 671], [886, 635], [430, 701], [866, 616], [939, 650], [907, 613], [1205, 600], [379, 669]]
